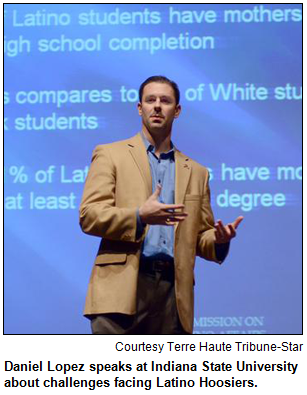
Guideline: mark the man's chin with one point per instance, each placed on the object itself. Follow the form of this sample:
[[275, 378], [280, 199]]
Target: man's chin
[[157, 127]]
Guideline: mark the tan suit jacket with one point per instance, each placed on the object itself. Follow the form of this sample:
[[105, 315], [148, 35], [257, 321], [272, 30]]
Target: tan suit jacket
[[118, 182]]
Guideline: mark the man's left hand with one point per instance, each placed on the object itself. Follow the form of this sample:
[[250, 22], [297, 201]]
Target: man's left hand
[[224, 233]]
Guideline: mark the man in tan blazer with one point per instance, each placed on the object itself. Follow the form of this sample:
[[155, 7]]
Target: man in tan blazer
[[136, 287]]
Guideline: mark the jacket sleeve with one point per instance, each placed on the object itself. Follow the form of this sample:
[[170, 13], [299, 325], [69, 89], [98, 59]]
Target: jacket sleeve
[[206, 247], [99, 215]]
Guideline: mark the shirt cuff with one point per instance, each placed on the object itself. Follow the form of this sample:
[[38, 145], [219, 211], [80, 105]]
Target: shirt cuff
[[221, 251]]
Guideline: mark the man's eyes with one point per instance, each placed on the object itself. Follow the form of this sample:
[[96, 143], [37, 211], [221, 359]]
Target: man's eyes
[[162, 100]]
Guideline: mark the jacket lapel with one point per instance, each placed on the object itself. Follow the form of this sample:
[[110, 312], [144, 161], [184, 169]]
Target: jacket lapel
[[183, 172], [138, 151]]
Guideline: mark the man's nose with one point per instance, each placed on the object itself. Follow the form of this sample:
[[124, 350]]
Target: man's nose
[[158, 105]]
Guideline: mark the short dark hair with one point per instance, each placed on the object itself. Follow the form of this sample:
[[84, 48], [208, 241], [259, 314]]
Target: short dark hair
[[164, 80]]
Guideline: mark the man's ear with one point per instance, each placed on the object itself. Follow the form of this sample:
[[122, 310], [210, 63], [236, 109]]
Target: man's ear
[[177, 111], [140, 108]]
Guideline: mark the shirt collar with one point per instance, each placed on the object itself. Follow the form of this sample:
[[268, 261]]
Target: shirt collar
[[150, 148]]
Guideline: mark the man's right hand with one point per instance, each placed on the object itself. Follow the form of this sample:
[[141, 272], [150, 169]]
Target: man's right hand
[[153, 212]]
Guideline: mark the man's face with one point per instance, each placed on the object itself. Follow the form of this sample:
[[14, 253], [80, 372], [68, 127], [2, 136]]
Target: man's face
[[158, 108]]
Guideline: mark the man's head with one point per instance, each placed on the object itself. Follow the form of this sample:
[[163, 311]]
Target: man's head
[[158, 105]]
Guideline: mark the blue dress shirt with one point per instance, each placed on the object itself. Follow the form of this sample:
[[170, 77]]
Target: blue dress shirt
[[159, 241]]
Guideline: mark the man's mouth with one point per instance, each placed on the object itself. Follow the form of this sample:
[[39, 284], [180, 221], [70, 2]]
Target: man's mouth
[[157, 119]]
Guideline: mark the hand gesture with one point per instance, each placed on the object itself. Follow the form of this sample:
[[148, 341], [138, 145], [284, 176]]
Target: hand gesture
[[153, 212], [224, 233]]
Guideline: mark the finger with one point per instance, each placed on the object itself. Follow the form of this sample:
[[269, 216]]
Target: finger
[[176, 218], [170, 208], [218, 231], [157, 192], [167, 214], [221, 228], [179, 217], [232, 231], [170, 223], [218, 237], [173, 221], [237, 222]]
